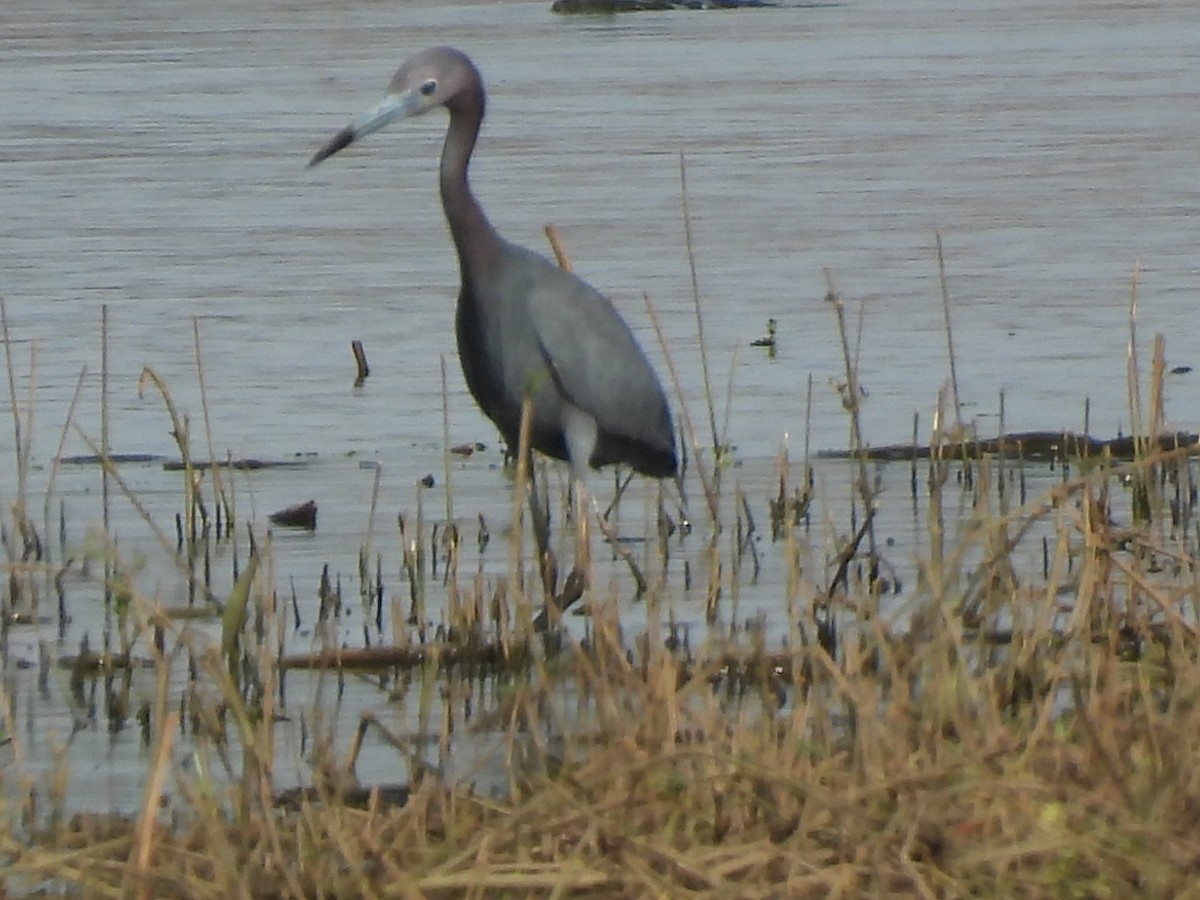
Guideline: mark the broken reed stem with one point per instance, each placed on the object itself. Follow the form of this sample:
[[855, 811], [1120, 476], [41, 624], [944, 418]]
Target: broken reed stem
[[415, 547], [220, 498], [722, 447], [1154, 426], [22, 472], [519, 495], [850, 398], [1132, 375], [941, 260], [267, 672], [56, 465], [369, 540], [852, 403], [25, 450], [104, 469], [808, 405], [446, 454], [144, 848], [706, 480], [179, 431], [560, 252], [691, 255], [1157, 372], [912, 476], [10, 731]]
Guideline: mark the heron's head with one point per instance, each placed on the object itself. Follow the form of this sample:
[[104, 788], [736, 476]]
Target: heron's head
[[439, 76]]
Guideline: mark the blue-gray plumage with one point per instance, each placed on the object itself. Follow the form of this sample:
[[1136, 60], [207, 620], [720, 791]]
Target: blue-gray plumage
[[525, 326]]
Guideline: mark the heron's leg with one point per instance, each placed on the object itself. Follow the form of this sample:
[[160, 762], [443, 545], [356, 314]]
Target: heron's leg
[[538, 512], [583, 536], [580, 431], [576, 582], [540, 517]]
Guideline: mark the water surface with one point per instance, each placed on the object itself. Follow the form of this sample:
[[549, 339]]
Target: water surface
[[154, 164]]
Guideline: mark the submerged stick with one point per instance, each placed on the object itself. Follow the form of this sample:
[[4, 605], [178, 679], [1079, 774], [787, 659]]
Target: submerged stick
[[360, 362]]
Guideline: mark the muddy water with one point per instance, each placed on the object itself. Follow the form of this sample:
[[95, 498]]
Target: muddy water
[[154, 163]]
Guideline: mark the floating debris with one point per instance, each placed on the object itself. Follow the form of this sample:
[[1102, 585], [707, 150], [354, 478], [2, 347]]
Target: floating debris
[[468, 448], [302, 515]]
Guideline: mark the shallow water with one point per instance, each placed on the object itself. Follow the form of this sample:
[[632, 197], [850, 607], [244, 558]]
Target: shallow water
[[155, 164]]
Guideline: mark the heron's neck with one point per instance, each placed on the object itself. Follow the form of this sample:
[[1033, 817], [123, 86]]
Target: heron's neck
[[474, 237]]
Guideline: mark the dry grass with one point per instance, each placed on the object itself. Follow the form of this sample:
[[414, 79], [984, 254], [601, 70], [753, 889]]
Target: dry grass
[[1020, 735], [998, 732]]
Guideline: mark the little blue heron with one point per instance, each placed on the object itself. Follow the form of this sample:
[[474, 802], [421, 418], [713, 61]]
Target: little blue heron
[[526, 327]]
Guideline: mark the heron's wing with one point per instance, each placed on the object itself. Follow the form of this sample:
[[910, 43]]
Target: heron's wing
[[594, 356]]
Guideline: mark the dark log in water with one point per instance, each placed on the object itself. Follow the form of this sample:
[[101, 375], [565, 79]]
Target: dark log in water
[[251, 464], [1031, 445], [617, 6], [92, 459]]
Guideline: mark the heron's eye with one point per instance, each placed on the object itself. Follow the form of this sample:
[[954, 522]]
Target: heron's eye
[[429, 87]]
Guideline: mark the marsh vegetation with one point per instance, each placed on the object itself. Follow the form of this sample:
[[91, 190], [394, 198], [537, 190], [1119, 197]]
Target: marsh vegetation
[[984, 726]]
